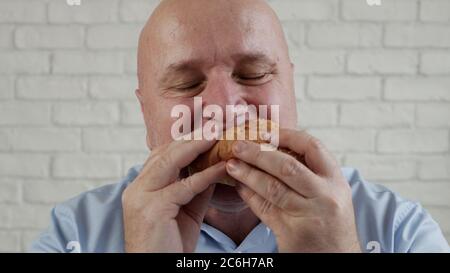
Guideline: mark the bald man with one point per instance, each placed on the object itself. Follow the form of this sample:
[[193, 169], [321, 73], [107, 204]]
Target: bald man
[[232, 52]]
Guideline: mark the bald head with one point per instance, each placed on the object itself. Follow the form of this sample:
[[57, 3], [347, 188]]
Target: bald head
[[176, 23]]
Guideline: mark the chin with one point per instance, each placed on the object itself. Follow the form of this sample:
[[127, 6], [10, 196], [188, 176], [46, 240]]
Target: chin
[[226, 199]]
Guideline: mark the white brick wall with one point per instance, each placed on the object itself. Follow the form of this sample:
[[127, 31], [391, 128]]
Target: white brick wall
[[372, 82]]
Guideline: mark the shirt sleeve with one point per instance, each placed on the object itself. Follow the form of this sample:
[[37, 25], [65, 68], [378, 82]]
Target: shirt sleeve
[[55, 239], [416, 231]]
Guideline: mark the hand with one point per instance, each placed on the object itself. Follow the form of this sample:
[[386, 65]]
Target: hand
[[162, 212], [308, 207]]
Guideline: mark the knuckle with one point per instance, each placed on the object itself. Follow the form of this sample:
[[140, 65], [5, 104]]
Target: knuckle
[[162, 161], [315, 143], [187, 183], [291, 167], [334, 206], [276, 191], [266, 207]]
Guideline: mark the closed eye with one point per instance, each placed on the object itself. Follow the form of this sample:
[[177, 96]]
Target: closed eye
[[254, 79]]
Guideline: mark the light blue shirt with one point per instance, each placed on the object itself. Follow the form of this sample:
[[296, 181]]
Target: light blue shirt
[[92, 222]]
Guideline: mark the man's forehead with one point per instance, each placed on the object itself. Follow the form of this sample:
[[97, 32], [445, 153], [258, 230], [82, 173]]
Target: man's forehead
[[180, 39]]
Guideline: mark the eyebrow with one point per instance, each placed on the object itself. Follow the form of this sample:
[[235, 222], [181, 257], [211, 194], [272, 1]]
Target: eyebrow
[[253, 58], [178, 68]]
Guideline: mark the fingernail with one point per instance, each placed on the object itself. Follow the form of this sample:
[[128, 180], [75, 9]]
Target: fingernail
[[239, 146], [232, 165]]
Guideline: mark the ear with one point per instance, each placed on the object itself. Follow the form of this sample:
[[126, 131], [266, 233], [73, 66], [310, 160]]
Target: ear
[[140, 99]]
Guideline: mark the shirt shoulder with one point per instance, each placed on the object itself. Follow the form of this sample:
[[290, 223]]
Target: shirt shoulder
[[387, 222], [89, 222]]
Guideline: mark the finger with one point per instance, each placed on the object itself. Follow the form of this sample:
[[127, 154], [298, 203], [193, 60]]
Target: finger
[[165, 166], [317, 157], [183, 191], [265, 185], [283, 166], [198, 206], [262, 208]]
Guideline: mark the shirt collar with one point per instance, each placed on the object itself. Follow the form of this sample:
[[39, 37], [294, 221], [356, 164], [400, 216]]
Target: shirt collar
[[260, 239]]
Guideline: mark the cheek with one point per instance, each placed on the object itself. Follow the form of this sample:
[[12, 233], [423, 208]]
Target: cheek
[[276, 93], [160, 120]]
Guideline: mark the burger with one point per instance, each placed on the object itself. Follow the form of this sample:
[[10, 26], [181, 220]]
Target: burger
[[252, 130]]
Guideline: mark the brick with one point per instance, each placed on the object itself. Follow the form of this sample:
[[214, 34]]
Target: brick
[[408, 140], [7, 84], [87, 63], [418, 89], [391, 10], [24, 113], [346, 140], [107, 140], [434, 167], [113, 36], [344, 88], [15, 62], [382, 62], [428, 194], [51, 87], [10, 241], [137, 10], [433, 115], [49, 37], [300, 87], [435, 62], [24, 165], [295, 34], [10, 191], [92, 113], [382, 167], [440, 215], [435, 11], [17, 11], [45, 192], [5, 140], [86, 166], [92, 11], [305, 10], [130, 60], [113, 87], [26, 216], [6, 39], [344, 35], [28, 237], [377, 115], [131, 160], [319, 61], [131, 113], [45, 139], [317, 114], [417, 36]]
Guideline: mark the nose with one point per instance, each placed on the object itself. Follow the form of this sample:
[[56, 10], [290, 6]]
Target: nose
[[221, 90]]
